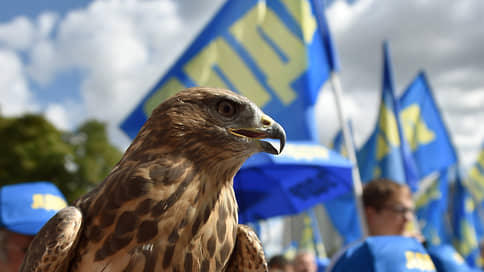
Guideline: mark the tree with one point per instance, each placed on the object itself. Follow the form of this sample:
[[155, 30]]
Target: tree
[[32, 149], [94, 155]]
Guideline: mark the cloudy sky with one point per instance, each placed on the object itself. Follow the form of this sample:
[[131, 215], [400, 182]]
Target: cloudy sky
[[74, 59]]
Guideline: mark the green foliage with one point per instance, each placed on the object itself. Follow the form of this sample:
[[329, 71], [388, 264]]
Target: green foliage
[[32, 149], [94, 155]]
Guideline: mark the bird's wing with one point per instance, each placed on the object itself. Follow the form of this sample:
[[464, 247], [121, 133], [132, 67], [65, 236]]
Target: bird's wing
[[248, 254], [52, 248]]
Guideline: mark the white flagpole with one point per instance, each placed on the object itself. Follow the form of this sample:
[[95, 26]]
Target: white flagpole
[[357, 187]]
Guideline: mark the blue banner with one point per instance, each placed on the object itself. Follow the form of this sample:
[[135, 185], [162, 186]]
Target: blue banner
[[463, 223], [338, 143], [475, 179], [303, 175], [431, 210], [447, 259], [386, 153], [424, 128], [344, 217], [278, 53]]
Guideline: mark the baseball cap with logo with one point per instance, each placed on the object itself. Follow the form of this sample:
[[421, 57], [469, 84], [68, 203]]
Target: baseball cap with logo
[[26, 207]]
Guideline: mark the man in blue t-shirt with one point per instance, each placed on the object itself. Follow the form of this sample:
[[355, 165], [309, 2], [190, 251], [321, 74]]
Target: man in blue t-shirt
[[389, 211]]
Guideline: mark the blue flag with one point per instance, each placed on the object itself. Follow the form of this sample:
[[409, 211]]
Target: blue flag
[[311, 236], [343, 215], [424, 128], [278, 53], [463, 223], [302, 176], [386, 153], [431, 209], [447, 259], [475, 179], [338, 143], [342, 211]]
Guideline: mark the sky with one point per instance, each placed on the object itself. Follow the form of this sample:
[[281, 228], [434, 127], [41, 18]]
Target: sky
[[72, 60]]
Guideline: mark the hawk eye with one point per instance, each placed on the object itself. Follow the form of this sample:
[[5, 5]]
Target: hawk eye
[[226, 108]]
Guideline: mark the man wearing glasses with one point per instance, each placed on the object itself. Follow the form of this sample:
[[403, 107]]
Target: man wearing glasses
[[389, 211], [389, 208]]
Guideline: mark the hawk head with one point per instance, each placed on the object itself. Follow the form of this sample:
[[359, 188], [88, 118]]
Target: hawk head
[[210, 124]]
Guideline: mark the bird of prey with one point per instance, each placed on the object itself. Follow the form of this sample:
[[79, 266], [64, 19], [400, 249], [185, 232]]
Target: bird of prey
[[169, 204]]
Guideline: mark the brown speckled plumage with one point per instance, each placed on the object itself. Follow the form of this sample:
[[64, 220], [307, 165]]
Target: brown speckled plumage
[[169, 204]]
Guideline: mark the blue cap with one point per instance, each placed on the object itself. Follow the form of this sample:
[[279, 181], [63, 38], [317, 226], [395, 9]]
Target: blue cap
[[447, 259], [26, 207], [385, 253]]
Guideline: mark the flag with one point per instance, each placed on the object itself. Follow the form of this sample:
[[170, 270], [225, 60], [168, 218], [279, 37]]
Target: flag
[[278, 53], [338, 143], [433, 152], [465, 238], [343, 215], [424, 128], [342, 210], [311, 237], [431, 209], [475, 179], [386, 153]]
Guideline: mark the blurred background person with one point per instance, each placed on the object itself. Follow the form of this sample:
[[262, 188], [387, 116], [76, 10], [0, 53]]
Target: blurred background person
[[24, 209], [305, 261], [279, 263], [389, 209]]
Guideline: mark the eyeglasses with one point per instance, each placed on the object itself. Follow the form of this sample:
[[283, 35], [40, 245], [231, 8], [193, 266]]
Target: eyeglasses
[[400, 209]]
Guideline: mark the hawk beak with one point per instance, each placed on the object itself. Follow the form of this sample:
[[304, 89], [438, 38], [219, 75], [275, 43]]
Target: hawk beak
[[268, 129]]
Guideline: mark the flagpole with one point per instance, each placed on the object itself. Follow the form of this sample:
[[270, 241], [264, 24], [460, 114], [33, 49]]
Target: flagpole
[[357, 186]]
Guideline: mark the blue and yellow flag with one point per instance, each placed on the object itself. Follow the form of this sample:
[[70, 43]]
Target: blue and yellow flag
[[311, 236], [342, 211], [424, 129], [463, 223], [475, 179], [278, 53], [386, 153], [338, 143], [431, 209]]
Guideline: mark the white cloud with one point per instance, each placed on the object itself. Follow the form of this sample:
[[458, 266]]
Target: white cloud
[[43, 65], [15, 95], [122, 47], [18, 34], [440, 37], [57, 115]]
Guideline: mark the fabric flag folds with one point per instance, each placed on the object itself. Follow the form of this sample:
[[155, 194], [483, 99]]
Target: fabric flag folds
[[338, 143], [431, 209], [475, 179], [278, 53], [463, 222], [424, 129], [433, 152], [386, 153], [342, 211]]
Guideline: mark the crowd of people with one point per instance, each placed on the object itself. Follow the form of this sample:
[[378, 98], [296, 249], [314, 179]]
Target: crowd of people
[[389, 212], [304, 261], [388, 207]]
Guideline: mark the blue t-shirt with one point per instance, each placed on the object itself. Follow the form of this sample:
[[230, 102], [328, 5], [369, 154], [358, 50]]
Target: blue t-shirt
[[384, 254]]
